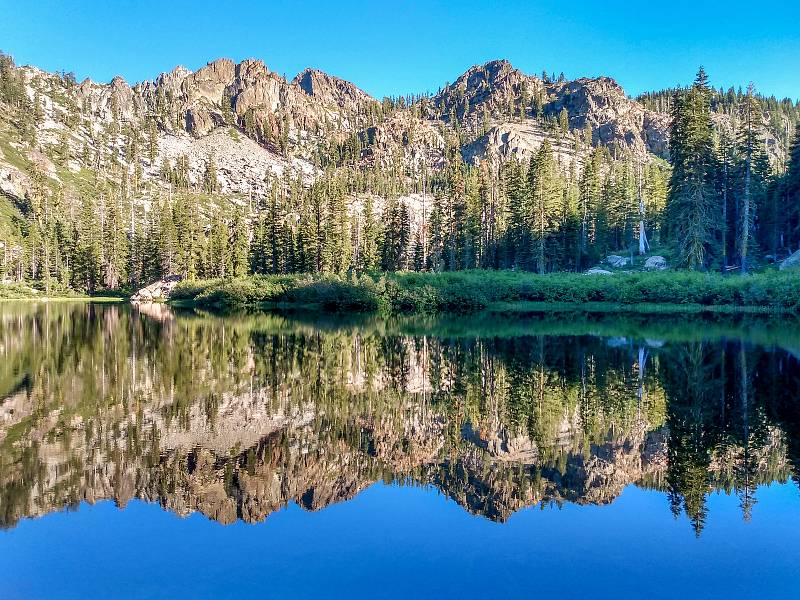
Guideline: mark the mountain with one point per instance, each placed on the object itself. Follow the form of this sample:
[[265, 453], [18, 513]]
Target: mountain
[[237, 136], [502, 111]]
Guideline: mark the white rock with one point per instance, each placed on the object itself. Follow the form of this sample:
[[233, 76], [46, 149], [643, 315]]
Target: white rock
[[598, 271], [792, 262], [617, 261], [156, 291], [655, 263]]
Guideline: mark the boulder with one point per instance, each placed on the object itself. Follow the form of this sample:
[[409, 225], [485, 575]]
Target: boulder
[[655, 263], [617, 261], [598, 271], [160, 290], [792, 262]]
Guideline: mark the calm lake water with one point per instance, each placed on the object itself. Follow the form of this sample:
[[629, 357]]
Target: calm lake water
[[146, 453]]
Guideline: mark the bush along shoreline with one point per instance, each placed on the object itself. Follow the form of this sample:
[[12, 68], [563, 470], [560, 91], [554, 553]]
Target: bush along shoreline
[[500, 291]]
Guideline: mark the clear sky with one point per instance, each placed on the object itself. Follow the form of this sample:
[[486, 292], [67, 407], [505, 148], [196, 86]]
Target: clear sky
[[396, 47]]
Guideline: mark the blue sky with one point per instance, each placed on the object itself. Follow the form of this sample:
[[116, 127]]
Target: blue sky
[[390, 48]]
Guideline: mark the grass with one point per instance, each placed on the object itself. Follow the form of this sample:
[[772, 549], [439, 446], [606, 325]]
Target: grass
[[502, 291], [18, 291]]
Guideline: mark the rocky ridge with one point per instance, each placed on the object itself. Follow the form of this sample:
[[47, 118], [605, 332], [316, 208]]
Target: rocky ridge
[[255, 124]]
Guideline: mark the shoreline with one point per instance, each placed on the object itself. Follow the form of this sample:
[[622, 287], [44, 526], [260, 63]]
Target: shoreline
[[97, 299], [489, 292]]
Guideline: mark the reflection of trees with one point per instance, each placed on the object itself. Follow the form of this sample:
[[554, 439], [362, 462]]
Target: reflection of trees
[[717, 412], [238, 416]]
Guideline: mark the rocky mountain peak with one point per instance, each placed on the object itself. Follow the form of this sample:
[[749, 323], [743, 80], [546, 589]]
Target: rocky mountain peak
[[118, 83], [170, 81], [250, 71], [330, 90], [209, 82], [494, 87]]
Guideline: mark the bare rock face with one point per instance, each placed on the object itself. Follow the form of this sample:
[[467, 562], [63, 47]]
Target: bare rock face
[[200, 121], [598, 104], [257, 88], [598, 271], [14, 182], [405, 139], [521, 141], [43, 163], [208, 84], [493, 86], [616, 120], [331, 91]]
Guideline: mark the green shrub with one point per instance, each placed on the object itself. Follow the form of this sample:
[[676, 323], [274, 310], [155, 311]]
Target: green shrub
[[334, 295], [470, 291]]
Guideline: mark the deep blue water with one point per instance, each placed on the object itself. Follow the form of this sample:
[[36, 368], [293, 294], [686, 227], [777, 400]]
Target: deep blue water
[[401, 542]]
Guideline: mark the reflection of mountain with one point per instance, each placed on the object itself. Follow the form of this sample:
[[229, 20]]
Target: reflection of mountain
[[236, 417]]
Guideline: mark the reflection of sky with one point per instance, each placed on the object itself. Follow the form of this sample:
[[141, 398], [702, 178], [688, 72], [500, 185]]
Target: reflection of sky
[[409, 542]]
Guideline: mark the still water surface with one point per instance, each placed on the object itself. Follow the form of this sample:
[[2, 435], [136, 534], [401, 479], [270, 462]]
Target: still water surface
[[149, 453]]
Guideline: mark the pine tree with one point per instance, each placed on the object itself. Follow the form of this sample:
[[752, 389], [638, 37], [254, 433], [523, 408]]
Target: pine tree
[[725, 177], [370, 233], [792, 193], [590, 188], [563, 120], [545, 196], [167, 241], [754, 168], [210, 181], [152, 140], [436, 239], [239, 245], [115, 244], [517, 235], [692, 201]]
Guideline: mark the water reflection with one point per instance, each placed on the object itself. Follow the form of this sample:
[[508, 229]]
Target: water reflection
[[237, 416]]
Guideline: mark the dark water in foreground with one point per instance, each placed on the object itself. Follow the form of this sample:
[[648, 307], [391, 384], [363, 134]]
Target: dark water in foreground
[[154, 454]]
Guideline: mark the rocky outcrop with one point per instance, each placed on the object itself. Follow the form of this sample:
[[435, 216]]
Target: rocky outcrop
[[332, 91], [499, 91], [520, 140], [13, 182]]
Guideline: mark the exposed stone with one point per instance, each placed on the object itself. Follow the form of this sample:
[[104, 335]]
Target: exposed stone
[[14, 182], [792, 262], [617, 261], [598, 271], [655, 263], [157, 291], [43, 163]]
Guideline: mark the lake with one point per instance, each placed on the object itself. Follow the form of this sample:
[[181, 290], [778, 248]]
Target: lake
[[148, 453]]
